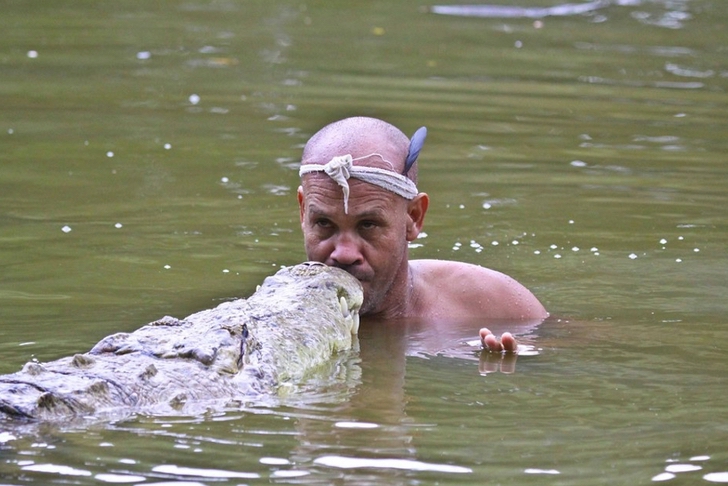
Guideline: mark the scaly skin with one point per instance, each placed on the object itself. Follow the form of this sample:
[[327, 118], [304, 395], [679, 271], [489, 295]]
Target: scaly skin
[[297, 320]]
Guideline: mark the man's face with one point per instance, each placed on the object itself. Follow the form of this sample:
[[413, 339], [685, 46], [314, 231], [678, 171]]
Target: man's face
[[370, 242]]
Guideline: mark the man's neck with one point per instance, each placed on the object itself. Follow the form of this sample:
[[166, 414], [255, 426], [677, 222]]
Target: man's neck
[[401, 298]]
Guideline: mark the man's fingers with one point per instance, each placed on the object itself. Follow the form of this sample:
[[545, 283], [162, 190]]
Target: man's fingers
[[509, 342], [490, 341]]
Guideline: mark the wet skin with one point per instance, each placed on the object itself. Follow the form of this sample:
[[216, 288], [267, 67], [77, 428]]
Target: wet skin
[[370, 242]]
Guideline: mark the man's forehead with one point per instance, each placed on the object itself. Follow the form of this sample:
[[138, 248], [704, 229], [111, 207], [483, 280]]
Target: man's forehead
[[323, 195], [356, 212], [322, 187]]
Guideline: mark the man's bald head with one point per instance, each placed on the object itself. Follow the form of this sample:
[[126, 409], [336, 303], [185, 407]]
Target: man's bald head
[[360, 136]]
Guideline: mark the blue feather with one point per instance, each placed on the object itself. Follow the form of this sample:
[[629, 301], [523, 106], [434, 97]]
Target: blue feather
[[416, 143]]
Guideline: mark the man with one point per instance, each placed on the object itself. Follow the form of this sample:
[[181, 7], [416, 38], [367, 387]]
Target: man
[[359, 210]]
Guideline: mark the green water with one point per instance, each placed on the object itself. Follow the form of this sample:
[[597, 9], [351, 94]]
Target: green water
[[584, 155]]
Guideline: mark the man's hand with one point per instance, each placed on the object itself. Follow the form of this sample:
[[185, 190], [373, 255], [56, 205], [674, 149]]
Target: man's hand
[[491, 343], [497, 355]]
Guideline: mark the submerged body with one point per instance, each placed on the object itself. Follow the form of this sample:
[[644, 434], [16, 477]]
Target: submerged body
[[297, 320]]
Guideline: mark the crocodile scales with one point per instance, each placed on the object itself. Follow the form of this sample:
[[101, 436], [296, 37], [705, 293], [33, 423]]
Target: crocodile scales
[[298, 319]]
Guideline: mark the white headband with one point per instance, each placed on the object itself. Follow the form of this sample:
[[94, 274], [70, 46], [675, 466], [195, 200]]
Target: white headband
[[342, 168]]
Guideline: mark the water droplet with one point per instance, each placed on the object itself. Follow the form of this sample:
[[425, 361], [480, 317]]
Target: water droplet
[[32, 54], [541, 471], [167, 267], [717, 477], [66, 229], [224, 179], [663, 241], [577, 163], [557, 256], [167, 146], [536, 252], [576, 248], [632, 256], [274, 461], [109, 154], [118, 225], [676, 468], [194, 99]]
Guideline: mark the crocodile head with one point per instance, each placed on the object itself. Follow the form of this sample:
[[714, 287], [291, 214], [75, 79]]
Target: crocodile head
[[319, 277], [297, 320]]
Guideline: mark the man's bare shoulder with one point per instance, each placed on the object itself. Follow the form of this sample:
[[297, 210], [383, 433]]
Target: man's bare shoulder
[[464, 288], [455, 269]]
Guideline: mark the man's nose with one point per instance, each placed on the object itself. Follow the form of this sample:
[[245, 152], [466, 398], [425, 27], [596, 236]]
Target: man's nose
[[347, 251]]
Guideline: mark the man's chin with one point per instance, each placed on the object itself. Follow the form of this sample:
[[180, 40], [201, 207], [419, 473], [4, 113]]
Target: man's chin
[[371, 303]]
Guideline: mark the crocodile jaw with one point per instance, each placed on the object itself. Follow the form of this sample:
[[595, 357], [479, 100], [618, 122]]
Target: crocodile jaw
[[351, 314]]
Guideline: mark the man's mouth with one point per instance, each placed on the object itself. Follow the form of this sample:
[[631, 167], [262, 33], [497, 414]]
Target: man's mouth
[[362, 277]]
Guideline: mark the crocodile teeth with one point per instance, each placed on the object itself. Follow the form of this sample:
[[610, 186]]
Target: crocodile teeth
[[355, 327], [351, 316]]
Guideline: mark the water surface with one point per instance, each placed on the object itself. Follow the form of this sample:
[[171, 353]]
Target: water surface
[[148, 167]]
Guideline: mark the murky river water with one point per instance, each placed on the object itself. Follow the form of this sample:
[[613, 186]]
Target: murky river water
[[148, 156]]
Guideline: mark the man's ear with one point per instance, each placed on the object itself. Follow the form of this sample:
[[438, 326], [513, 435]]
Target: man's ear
[[300, 201], [416, 210]]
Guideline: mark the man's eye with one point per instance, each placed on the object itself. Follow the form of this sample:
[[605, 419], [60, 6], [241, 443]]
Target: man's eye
[[368, 225], [323, 223]]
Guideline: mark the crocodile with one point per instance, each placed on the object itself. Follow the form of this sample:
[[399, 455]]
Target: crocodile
[[297, 320]]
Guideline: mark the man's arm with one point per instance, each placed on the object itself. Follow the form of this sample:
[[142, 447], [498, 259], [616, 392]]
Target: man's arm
[[466, 290]]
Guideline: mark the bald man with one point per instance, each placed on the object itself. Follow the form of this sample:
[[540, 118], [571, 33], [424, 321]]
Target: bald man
[[360, 208]]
